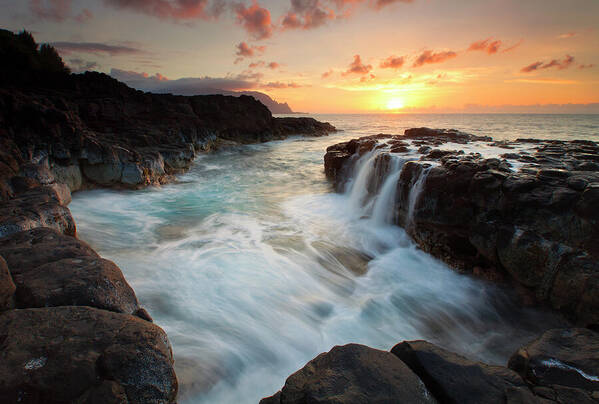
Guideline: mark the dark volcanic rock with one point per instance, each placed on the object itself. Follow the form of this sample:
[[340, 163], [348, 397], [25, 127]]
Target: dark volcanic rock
[[7, 287], [96, 131], [82, 354], [353, 374], [564, 357], [43, 206], [30, 249], [537, 226], [454, 379], [83, 281]]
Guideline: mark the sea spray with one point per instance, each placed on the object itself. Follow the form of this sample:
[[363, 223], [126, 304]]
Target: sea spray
[[415, 192]]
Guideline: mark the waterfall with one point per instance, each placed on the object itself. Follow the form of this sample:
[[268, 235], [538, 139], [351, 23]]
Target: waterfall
[[415, 192], [384, 209], [358, 189]]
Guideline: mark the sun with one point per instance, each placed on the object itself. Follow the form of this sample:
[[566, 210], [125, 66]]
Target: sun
[[395, 103]]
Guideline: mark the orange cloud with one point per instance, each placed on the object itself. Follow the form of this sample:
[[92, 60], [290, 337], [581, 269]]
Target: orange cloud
[[244, 50], [357, 67], [255, 19], [327, 74], [393, 62], [429, 57], [273, 65]]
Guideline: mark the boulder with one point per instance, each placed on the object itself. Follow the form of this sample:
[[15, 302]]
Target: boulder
[[353, 374], [452, 378], [82, 354], [7, 287], [29, 249], [562, 357], [82, 281], [43, 206]]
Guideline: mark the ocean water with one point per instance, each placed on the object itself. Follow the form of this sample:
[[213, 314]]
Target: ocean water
[[253, 265]]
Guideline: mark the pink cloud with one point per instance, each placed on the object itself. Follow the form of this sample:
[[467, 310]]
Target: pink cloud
[[255, 19], [273, 65], [244, 50], [172, 9], [327, 74], [54, 10], [565, 63], [429, 57], [357, 67], [488, 45], [393, 62]]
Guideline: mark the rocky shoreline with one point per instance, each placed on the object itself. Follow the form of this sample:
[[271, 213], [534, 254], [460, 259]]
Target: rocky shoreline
[[71, 328], [526, 215], [558, 367], [523, 215]]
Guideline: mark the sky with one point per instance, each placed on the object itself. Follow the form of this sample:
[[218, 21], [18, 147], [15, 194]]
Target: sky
[[337, 56]]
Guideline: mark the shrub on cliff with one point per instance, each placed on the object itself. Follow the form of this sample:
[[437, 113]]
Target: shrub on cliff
[[24, 64]]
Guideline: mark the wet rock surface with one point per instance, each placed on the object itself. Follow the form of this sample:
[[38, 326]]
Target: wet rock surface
[[525, 216], [82, 354], [429, 373], [352, 374]]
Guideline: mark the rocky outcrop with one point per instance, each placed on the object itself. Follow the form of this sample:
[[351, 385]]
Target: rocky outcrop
[[7, 287], [95, 131], [559, 367], [563, 357], [82, 354], [353, 374], [525, 216]]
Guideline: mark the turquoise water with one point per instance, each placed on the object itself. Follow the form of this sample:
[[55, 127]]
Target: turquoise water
[[253, 265]]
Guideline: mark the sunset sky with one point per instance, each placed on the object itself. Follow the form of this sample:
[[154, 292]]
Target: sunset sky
[[337, 55]]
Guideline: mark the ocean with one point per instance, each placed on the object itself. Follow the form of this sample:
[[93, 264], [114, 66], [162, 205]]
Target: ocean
[[254, 265]]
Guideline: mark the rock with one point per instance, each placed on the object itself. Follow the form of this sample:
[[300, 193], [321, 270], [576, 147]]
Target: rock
[[7, 287], [536, 226], [82, 281], [563, 357], [39, 207], [82, 354], [454, 379], [69, 175], [30, 249], [353, 374]]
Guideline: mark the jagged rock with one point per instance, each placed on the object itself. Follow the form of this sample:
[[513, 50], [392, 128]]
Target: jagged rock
[[83, 354], [7, 287], [353, 374], [562, 357], [452, 378]]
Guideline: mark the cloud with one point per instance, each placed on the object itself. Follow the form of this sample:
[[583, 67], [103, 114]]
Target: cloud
[[255, 65], [244, 50], [185, 86], [79, 65], [94, 47], [567, 35], [357, 67], [53, 10], [488, 45], [278, 84], [84, 16], [565, 63], [429, 57], [273, 65], [307, 14], [177, 10], [255, 19], [393, 62], [589, 66], [327, 74]]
